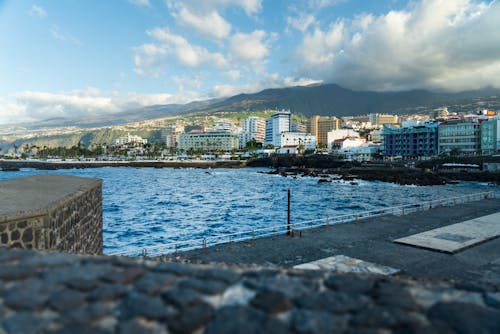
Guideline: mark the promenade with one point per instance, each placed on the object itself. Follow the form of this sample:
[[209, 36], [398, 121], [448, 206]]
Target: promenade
[[372, 240]]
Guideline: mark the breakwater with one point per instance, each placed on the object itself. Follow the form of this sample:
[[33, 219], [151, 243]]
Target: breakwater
[[13, 165], [52, 212]]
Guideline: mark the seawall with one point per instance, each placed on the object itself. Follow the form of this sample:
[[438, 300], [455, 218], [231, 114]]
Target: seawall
[[52, 212]]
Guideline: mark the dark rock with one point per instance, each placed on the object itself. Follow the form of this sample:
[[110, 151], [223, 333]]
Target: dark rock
[[66, 299], [243, 320], [292, 287], [28, 295], [351, 283], [13, 273], [178, 269], [126, 275], [271, 301], [385, 317], [181, 298], [203, 286], [135, 326], [394, 294], [311, 322], [337, 302], [83, 283], [107, 292], [28, 235], [23, 323], [81, 328], [155, 283], [466, 318], [87, 313], [492, 299], [218, 274], [192, 318], [141, 305]]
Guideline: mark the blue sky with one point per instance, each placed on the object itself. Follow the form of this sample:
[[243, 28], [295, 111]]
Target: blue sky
[[74, 58]]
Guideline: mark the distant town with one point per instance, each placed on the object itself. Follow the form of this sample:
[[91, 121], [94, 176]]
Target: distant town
[[354, 138]]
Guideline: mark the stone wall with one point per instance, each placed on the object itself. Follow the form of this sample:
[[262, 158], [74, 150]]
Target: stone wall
[[52, 212]]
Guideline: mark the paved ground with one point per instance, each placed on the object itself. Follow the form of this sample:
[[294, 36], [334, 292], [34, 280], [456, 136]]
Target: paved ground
[[457, 237], [372, 240]]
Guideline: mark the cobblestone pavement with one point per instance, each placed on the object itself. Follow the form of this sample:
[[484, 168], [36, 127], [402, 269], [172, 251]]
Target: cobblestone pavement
[[62, 293]]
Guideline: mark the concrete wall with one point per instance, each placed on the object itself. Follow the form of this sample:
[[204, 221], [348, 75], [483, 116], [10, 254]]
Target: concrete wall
[[52, 212]]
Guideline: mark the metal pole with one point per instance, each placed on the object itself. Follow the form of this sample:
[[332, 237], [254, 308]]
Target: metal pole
[[288, 215]]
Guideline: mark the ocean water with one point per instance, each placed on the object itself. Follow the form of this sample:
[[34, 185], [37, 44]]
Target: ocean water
[[145, 207]]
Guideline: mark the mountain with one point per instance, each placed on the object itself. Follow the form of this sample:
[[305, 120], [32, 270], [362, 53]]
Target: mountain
[[331, 99], [327, 99]]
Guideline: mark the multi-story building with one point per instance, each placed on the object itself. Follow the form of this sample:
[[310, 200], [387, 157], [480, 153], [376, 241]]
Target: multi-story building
[[170, 133], [208, 141], [304, 140], [222, 125], [298, 126], [490, 136], [130, 140], [337, 134], [275, 125], [410, 142], [460, 137], [252, 128], [319, 126], [377, 120]]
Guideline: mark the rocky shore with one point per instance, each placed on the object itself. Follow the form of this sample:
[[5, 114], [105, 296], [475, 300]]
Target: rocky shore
[[63, 293], [329, 169], [13, 165], [402, 176]]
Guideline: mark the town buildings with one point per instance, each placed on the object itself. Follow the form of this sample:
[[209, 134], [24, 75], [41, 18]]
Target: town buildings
[[275, 125], [460, 137], [304, 141], [170, 133], [378, 120], [319, 126], [210, 141], [252, 128], [129, 139], [410, 142], [490, 136], [337, 134]]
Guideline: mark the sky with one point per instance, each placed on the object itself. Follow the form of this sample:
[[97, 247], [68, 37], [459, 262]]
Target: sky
[[74, 58]]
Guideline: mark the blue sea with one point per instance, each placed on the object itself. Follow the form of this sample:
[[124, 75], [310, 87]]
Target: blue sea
[[145, 207]]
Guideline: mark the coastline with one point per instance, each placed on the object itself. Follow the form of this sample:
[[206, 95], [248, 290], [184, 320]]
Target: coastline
[[54, 165]]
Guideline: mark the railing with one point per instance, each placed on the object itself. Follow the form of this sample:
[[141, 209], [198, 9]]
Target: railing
[[297, 228]]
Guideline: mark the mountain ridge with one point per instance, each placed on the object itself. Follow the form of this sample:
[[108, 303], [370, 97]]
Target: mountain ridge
[[324, 99]]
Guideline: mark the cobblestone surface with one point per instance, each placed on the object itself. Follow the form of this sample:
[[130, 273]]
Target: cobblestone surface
[[62, 293]]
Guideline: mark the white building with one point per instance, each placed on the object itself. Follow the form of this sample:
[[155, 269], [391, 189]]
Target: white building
[[275, 125], [302, 140], [130, 139], [170, 133], [223, 125], [208, 141], [340, 134], [355, 149], [252, 128]]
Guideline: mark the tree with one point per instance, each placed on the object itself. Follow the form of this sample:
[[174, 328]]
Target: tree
[[253, 145]]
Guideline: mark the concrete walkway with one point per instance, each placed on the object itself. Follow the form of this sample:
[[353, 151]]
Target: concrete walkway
[[372, 241], [457, 237]]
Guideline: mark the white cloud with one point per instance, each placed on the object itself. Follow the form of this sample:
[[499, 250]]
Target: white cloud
[[269, 80], [249, 6], [302, 22], [149, 59], [144, 3], [38, 11], [319, 4], [34, 105], [249, 47], [209, 24], [62, 36], [233, 74], [431, 44]]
